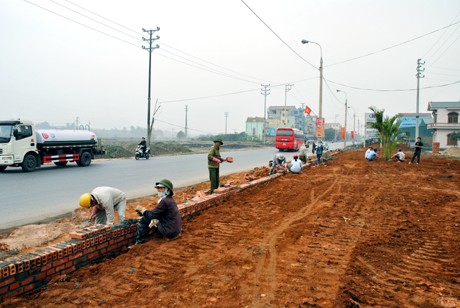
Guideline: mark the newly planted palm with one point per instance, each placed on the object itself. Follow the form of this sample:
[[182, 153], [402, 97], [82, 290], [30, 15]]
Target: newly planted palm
[[388, 131]]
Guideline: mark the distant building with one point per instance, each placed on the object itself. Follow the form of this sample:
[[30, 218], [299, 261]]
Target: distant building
[[445, 125], [255, 128], [285, 116]]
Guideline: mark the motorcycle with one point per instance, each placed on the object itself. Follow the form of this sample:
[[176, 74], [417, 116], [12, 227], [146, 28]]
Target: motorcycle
[[140, 153]]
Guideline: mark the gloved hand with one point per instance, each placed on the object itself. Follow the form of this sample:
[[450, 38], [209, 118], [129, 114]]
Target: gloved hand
[[153, 223], [140, 210], [216, 160]]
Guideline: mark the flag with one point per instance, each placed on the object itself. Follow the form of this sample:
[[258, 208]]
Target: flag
[[307, 110], [342, 132]]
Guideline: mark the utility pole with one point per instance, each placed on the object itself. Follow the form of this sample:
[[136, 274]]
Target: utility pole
[[150, 49], [186, 110], [345, 127], [335, 131], [226, 117], [354, 131], [265, 91], [287, 87], [419, 75]]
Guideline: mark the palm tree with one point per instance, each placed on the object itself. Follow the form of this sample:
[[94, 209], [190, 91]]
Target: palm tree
[[388, 131]]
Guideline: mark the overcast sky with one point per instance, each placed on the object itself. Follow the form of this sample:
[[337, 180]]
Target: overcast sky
[[83, 58]]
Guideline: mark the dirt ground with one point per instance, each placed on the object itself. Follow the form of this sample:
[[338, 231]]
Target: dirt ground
[[349, 234]]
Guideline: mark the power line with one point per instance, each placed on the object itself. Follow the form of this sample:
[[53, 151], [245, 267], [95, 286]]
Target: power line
[[295, 52], [86, 16], [206, 68], [393, 46], [393, 90], [207, 97], [134, 31], [81, 24]]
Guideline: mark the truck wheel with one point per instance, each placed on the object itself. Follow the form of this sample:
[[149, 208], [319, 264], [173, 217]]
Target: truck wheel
[[60, 163], [85, 159], [2, 168], [29, 163]]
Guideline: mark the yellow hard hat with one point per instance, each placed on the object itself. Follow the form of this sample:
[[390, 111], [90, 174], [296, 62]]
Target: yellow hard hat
[[85, 200]]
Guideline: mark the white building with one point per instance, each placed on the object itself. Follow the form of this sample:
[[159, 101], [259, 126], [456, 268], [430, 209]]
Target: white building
[[445, 126], [255, 128]]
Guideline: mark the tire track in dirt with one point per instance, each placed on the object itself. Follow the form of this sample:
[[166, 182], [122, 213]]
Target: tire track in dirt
[[334, 236], [267, 266]]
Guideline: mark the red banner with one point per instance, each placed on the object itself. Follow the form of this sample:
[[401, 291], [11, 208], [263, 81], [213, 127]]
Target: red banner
[[307, 110], [342, 132], [352, 134]]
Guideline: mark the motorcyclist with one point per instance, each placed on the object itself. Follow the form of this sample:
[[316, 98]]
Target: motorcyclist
[[143, 145]]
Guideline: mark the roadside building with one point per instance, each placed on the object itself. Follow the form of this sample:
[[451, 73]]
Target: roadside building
[[255, 128], [445, 125], [286, 116]]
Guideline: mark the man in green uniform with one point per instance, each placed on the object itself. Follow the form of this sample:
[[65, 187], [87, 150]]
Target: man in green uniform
[[214, 159]]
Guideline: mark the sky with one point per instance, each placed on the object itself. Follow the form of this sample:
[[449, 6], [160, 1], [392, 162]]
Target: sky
[[68, 59]]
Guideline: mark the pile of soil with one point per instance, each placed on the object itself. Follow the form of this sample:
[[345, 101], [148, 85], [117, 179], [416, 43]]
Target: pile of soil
[[352, 233]]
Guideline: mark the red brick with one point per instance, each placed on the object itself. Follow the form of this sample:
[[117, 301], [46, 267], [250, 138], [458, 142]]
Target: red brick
[[51, 272], [70, 270], [40, 276], [27, 281], [102, 246], [76, 235], [60, 261], [45, 267], [75, 256], [93, 255], [60, 268], [12, 269], [19, 267], [7, 281], [29, 287], [14, 286]]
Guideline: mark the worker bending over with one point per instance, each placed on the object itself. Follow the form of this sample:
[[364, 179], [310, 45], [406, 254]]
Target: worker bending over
[[104, 201]]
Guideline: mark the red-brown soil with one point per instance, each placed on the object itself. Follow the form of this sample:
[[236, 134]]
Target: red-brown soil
[[349, 234]]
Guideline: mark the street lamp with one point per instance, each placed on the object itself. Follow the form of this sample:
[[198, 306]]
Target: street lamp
[[345, 126], [320, 78]]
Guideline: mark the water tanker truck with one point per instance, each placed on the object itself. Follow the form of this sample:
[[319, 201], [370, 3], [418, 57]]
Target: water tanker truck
[[21, 145]]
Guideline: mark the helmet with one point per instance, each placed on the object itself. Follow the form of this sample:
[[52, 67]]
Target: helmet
[[164, 183], [281, 156], [85, 200], [219, 140], [296, 156]]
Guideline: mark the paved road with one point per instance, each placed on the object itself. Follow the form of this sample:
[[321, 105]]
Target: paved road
[[52, 191]]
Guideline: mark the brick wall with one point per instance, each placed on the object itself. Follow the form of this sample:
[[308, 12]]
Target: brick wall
[[32, 271]]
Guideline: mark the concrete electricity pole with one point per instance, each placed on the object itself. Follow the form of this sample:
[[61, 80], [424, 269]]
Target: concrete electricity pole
[[186, 111], [345, 126], [354, 131], [419, 75], [150, 49], [226, 117], [265, 91], [287, 87]]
